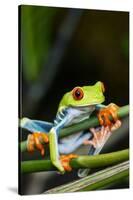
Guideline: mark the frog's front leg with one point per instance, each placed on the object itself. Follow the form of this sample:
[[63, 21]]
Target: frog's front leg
[[60, 162], [106, 112], [107, 124], [101, 135]]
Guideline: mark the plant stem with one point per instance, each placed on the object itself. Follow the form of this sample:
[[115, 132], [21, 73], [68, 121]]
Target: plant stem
[[99, 180], [94, 161], [91, 122], [88, 123]]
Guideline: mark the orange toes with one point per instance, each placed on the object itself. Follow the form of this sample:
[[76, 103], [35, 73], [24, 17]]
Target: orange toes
[[65, 161], [30, 143], [116, 125], [37, 140], [45, 137], [105, 114]]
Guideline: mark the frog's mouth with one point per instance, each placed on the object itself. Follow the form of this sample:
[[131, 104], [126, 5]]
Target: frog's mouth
[[86, 105]]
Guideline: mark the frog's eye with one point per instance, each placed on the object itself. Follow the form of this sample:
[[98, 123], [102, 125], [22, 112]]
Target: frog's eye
[[103, 87], [77, 93]]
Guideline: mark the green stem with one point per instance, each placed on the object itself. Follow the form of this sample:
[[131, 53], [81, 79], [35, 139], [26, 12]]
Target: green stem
[[88, 123], [99, 180], [96, 161]]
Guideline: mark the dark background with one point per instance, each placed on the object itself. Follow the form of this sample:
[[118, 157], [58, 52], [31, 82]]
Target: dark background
[[60, 48]]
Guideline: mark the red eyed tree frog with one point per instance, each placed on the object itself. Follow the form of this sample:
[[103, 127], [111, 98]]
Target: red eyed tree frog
[[74, 107]]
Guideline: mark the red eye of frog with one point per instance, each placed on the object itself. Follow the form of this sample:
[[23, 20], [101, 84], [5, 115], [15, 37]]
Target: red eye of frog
[[77, 93]]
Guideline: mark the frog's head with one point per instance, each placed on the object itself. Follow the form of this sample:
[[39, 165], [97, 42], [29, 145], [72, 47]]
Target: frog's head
[[83, 96]]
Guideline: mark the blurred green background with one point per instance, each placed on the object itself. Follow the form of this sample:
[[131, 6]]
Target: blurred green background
[[60, 48]]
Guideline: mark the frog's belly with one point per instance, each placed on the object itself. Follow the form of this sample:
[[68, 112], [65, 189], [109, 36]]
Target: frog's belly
[[77, 120], [77, 115]]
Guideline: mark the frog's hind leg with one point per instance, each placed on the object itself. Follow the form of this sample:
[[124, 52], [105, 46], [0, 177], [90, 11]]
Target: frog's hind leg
[[71, 143], [100, 137], [95, 145]]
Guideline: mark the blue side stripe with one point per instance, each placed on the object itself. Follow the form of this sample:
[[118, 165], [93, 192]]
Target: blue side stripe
[[35, 125]]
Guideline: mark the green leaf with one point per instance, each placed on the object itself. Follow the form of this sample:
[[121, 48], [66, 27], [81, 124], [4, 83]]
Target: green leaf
[[36, 37]]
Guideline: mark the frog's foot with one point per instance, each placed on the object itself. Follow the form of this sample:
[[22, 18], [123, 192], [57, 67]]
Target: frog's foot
[[65, 161], [36, 140], [105, 114], [101, 135]]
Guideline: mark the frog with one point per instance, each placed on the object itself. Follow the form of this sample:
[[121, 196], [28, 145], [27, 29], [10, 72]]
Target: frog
[[74, 107]]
